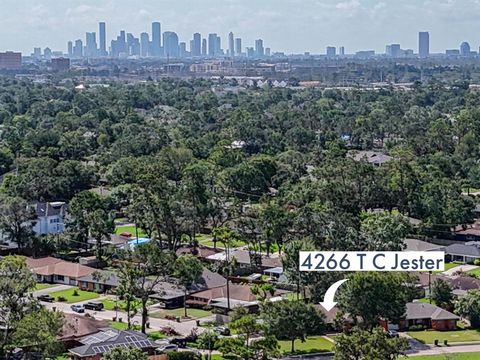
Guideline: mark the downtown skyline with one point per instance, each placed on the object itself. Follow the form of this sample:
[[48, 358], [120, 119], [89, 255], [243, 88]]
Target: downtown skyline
[[289, 26]]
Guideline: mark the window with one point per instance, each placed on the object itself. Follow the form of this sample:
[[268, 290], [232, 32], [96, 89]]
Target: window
[[60, 277]]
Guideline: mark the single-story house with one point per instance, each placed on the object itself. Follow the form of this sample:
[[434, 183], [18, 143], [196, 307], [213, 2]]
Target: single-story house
[[376, 158], [466, 253], [466, 233], [240, 295], [170, 295], [244, 262], [78, 326], [94, 346], [428, 315], [420, 245], [53, 270], [99, 281], [460, 284]]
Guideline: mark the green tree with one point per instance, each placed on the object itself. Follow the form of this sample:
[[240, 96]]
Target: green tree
[[39, 332], [292, 320], [368, 345], [468, 306], [17, 220], [127, 289], [120, 353], [442, 294], [372, 296], [384, 231], [188, 270]]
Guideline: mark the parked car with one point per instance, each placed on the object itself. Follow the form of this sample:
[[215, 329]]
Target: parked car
[[392, 333], [180, 342], [168, 348], [46, 298], [78, 308], [94, 305], [222, 330]]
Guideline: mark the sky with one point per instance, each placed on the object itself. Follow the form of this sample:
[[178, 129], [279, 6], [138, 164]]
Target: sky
[[292, 26]]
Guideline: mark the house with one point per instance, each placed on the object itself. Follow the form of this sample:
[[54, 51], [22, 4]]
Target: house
[[94, 346], [465, 253], [240, 295], [171, 295], [50, 217], [78, 326], [372, 157], [429, 316], [53, 270], [99, 281], [244, 263], [419, 245]]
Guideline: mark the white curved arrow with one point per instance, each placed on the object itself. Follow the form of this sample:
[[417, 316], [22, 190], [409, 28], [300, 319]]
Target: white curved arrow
[[328, 300]]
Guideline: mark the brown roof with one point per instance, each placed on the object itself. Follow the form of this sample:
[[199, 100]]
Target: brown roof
[[237, 292], [41, 262], [77, 326], [459, 282], [51, 266]]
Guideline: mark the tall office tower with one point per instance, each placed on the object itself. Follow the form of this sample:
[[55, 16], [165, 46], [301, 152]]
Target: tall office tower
[[231, 44], [47, 53], [156, 39], [218, 47], [182, 49], [91, 45], [341, 50], [102, 38], [423, 44], [259, 50], [196, 48], [37, 53], [70, 49], [133, 45], [465, 49], [212, 44], [78, 49], [238, 46], [393, 50], [119, 45], [170, 44], [250, 52], [144, 44], [204, 47], [331, 51], [267, 52]]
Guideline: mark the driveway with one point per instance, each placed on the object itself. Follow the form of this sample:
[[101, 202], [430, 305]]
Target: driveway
[[463, 268], [440, 350], [52, 289]]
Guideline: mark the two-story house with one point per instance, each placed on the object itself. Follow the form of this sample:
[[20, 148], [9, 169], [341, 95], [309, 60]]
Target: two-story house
[[50, 217]]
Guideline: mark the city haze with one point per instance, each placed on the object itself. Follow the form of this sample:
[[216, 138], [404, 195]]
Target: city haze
[[292, 26]]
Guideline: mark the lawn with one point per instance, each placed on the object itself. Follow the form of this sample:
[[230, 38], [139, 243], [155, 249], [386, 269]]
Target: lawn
[[41, 286], [428, 337], [459, 356], [109, 304], [475, 272], [193, 313], [131, 230], [312, 344], [123, 325], [70, 296]]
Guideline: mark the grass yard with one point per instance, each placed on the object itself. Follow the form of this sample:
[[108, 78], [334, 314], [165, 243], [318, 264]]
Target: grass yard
[[428, 337], [109, 304], [459, 356], [41, 286], [70, 296], [475, 272], [313, 344], [193, 313], [123, 325], [131, 230]]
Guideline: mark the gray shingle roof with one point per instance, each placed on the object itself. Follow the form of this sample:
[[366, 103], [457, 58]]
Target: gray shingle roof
[[418, 310], [464, 250]]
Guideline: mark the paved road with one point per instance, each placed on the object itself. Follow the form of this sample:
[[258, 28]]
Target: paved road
[[183, 328], [440, 350]]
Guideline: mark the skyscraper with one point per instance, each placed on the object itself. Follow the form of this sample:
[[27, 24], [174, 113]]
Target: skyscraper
[[196, 48], [78, 49], [218, 47], [341, 50], [331, 51], [156, 39], [91, 44], [423, 44], [70, 49], [465, 49], [259, 50], [204, 47], [212, 44], [103, 39], [238, 46], [170, 44], [231, 44], [182, 48], [144, 44]]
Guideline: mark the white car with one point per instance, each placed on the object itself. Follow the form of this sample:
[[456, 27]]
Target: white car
[[168, 348]]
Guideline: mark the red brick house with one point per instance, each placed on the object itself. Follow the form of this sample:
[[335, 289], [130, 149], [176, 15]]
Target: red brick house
[[428, 315]]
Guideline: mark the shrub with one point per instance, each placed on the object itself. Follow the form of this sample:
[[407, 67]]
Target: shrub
[[184, 355], [417, 328], [75, 292], [476, 262], [61, 299]]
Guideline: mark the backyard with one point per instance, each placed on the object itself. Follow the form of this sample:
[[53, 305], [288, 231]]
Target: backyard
[[131, 230], [428, 337], [312, 344], [74, 295]]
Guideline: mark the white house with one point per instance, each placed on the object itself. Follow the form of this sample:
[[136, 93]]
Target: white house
[[50, 217]]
